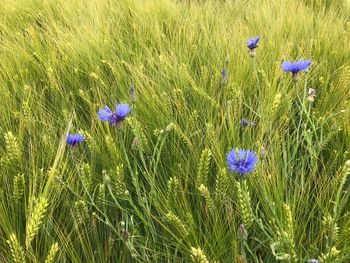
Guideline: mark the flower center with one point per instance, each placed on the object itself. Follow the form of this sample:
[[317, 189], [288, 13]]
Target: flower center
[[241, 163]]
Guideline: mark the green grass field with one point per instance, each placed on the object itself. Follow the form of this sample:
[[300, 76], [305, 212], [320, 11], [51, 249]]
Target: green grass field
[[157, 188]]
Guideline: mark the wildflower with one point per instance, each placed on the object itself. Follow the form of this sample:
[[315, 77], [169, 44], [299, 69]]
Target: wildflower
[[224, 73], [252, 43], [311, 94], [242, 232], [132, 91], [74, 139], [224, 76], [106, 114], [132, 94], [296, 67], [245, 163], [314, 261], [245, 123]]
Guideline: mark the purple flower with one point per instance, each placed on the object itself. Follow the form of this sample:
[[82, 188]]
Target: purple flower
[[243, 163], [297, 66], [224, 73], [245, 123], [252, 43], [132, 91], [242, 232], [74, 139], [106, 114], [132, 94], [224, 76]]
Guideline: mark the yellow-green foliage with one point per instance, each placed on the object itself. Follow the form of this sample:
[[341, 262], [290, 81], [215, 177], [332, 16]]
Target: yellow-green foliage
[[13, 149], [36, 219], [198, 256], [101, 193], [289, 229], [86, 176], [118, 181], [52, 253], [177, 224], [203, 190], [221, 186], [244, 204], [138, 133], [16, 249], [81, 212], [91, 143], [12, 146], [18, 187], [183, 137], [203, 167], [172, 189]]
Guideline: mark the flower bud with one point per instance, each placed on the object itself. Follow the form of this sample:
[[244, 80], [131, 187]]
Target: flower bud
[[169, 127], [106, 178], [242, 232]]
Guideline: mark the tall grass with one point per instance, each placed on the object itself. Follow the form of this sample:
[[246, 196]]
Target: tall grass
[[157, 189]]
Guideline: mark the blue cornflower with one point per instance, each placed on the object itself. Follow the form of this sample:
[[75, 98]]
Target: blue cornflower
[[224, 76], [74, 139], [106, 114], [132, 94], [252, 43], [245, 123], [132, 91], [296, 66], [244, 163], [224, 73]]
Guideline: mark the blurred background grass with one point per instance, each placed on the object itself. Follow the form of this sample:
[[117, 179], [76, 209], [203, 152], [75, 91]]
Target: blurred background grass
[[169, 197]]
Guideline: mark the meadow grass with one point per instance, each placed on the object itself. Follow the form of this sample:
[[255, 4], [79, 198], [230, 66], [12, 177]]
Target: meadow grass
[[157, 188]]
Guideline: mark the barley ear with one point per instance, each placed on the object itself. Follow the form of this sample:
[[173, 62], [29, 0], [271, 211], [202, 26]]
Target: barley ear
[[36, 219], [16, 249], [52, 253], [198, 256]]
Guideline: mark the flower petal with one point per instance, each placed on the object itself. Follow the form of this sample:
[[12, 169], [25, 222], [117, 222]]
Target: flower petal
[[231, 157], [242, 154], [104, 114], [122, 110]]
